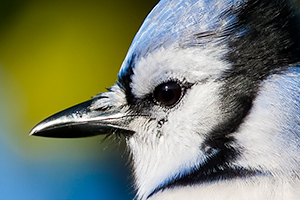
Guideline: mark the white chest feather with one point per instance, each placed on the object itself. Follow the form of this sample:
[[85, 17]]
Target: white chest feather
[[261, 188]]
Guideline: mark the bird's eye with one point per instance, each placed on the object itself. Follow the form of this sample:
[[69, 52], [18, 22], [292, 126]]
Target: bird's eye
[[167, 93]]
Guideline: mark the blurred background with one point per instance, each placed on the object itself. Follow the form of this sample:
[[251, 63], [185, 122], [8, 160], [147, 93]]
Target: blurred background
[[54, 54]]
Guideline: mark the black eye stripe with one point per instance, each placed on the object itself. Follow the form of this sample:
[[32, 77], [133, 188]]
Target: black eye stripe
[[168, 94]]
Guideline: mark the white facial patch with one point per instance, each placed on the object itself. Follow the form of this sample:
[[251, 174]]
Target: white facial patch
[[162, 154], [191, 64]]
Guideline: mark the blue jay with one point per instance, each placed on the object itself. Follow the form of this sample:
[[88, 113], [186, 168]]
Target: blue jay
[[207, 99]]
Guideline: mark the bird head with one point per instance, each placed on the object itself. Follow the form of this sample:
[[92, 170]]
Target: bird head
[[201, 95]]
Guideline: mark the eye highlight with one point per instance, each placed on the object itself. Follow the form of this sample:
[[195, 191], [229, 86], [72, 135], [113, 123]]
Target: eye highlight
[[168, 93]]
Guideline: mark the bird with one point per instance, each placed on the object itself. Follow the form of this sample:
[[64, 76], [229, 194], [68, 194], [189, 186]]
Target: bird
[[207, 99]]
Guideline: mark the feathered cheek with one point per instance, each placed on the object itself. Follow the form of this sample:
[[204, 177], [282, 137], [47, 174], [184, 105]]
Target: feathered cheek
[[146, 130]]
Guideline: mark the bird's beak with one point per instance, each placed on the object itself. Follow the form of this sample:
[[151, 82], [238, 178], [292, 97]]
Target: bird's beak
[[83, 120]]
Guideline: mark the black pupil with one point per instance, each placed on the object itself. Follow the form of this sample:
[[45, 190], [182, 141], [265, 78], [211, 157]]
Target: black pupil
[[168, 93]]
